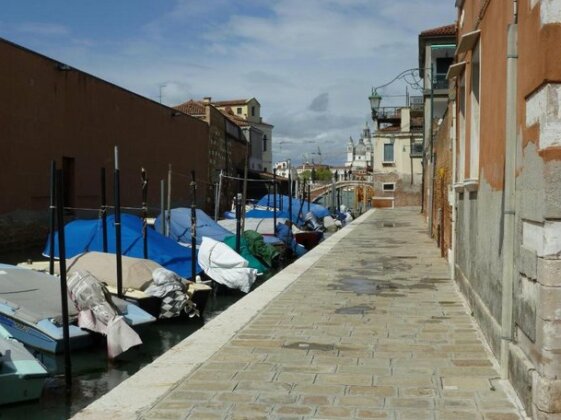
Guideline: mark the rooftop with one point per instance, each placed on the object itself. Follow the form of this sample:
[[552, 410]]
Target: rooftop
[[191, 107], [446, 30]]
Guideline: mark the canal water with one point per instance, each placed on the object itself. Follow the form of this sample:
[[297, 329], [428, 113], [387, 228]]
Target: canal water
[[93, 375]]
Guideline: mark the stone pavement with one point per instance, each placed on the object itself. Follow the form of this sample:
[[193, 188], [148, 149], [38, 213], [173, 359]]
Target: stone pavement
[[373, 329]]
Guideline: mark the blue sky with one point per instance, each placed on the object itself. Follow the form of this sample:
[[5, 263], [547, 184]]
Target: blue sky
[[310, 63]]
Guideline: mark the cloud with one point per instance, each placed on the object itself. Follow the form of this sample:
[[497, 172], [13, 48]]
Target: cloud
[[283, 52], [320, 103], [43, 29]]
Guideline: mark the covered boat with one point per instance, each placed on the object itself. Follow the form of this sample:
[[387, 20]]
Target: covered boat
[[31, 310], [87, 235], [138, 276], [299, 207], [180, 226], [225, 266]]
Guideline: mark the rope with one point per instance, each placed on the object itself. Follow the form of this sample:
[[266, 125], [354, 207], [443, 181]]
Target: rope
[[249, 180], [80, 208]]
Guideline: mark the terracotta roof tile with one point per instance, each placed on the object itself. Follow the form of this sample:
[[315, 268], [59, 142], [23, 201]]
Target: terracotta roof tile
[[447, 30], [191, 107], [231, 102]]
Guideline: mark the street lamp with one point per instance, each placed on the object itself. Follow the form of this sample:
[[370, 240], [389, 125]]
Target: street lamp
[[375, 100], [410, 76]]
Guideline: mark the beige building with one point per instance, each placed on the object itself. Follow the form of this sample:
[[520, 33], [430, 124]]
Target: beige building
[[397, 148], [249, 110]]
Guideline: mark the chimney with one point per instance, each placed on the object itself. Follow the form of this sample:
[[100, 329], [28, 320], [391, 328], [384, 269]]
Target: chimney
[[207, 100]]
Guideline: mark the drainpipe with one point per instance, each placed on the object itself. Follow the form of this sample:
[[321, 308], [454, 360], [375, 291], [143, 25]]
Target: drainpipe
[[431, 156], [452, 256], [509, 217]]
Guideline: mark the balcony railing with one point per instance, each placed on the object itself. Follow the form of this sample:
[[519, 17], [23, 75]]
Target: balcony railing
[[440, 82]]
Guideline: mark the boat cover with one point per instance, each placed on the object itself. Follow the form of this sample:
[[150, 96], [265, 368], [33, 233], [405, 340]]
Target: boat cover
[[284, 234], [87, 235], [265, 252], [262, 226], [98, 314], [225, 266], [252, 260], [137, 272], [180, 226], [318, 210], [33, 296]]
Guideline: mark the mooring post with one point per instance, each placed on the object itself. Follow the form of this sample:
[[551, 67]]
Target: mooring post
[[144, 188], [52, 218], [309, 196], [289, 199], [63, 285], [168, 214], [193, 228], [238, 221], [163, 205], [217, 200], [275, 198], [103, 210], [118, 251]]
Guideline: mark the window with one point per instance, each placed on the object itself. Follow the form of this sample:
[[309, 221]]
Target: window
[[388, 186], [253, 111], [265, 143], [388, 152], [239, 111], [474, 120]]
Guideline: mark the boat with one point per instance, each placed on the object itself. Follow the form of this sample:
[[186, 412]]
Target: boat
[[225, 266], [87, 235], [180, 226], [21, 375], [137, 277], [31, 310]]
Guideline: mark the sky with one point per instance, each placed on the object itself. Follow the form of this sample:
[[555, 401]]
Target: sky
[[310, 63]]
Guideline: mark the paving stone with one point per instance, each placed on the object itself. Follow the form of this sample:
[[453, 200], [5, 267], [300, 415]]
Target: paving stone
[[341, 412], [315, 400], [295, 410], [344, 379], [382, 391], [374, 414]]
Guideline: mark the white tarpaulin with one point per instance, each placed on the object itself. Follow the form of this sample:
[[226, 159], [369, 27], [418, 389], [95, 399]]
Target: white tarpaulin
[[225, 266]]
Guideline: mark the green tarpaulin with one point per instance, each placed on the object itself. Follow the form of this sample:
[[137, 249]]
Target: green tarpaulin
[[245, 253]]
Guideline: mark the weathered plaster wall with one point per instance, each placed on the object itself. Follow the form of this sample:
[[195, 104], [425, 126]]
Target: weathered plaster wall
[[479, 256]]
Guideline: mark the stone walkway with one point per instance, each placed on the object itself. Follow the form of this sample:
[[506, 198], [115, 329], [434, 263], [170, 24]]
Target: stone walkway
[[373, 329]]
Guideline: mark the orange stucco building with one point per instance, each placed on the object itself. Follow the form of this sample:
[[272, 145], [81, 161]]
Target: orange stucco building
[[507, 182]]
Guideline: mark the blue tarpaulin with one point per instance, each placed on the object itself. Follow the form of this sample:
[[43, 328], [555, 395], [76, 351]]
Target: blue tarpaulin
[[180, 226], [317, 210], [87, 235]]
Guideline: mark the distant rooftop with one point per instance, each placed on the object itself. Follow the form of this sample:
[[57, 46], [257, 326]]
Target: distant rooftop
[[446, 30], [191, 107]]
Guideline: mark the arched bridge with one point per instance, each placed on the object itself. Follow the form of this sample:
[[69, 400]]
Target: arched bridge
[[322, 190]]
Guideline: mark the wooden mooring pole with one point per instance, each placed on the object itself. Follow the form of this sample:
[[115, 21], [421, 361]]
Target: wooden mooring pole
[[63, 285]]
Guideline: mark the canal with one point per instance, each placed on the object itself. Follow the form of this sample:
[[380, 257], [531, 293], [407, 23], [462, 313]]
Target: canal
[[93, 375]]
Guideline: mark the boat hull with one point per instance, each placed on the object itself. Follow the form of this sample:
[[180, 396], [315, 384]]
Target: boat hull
[[45, 335]]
